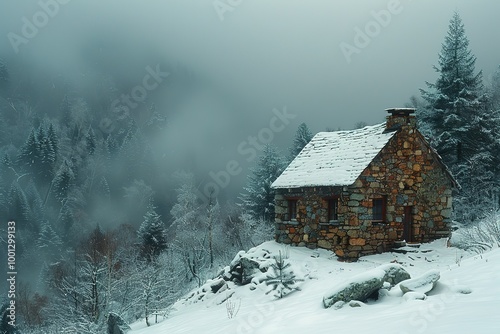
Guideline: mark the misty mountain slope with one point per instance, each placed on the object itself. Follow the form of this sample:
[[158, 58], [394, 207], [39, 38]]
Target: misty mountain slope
[[447, 309]]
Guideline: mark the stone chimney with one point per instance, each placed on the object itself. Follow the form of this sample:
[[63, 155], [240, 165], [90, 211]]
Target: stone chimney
[[399, 117]]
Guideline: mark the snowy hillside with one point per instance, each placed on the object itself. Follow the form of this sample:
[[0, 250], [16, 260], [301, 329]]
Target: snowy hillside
[[466, 299]]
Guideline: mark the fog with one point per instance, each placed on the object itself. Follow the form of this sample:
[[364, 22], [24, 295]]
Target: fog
[[231, 63]]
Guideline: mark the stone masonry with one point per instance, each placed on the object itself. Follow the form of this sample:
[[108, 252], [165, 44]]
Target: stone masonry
[[407, 172]]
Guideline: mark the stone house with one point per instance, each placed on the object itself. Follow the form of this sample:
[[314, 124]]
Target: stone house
[[362, 191]]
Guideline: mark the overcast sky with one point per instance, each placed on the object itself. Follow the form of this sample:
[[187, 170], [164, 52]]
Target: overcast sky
[[263, 54]]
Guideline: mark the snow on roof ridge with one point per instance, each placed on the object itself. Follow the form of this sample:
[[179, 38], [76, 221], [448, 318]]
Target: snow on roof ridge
[[334, 158]]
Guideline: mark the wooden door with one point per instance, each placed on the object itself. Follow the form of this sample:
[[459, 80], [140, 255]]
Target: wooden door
[[408, 224]]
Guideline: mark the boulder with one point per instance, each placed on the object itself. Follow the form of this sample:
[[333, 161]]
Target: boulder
[[356, 303], [359, 290], [218, 285], [394, 273], [363, 286], [422, 284], [116, 325], [412, 295], [245, 266], [463, 289]]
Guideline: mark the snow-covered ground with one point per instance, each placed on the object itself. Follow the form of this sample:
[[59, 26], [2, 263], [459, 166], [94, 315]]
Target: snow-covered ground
[[448, 308]]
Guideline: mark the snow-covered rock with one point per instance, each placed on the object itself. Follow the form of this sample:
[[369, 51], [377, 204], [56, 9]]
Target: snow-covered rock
[[394, 273], [356, 303], [364, 285], [412, 295], [463, 289], [422, 284], [245, 266], [212, 289]]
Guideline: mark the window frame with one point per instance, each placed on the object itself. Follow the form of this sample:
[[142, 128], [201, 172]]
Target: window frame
[[290, 207], [383, 210], [330, 200]]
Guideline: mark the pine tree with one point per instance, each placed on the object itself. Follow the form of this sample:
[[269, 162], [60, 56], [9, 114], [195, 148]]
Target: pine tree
[[45, 165], [302, 137], [463, 125], [456, 97], [152, 235], [281, 278], [258, 199], [90, 141], [111, 146], [63, 181], [53, 140], [4, 76], [29, 153], [48, 241], [19, 210]]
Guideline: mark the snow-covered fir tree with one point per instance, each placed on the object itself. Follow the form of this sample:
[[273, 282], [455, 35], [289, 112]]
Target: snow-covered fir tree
[[47, 153], [63, 181], [48, 241], [456, 97], [462, 125], [258, 198], [302, 137], [29, 154], [281, 277], [4, 75], [152, 235], [19, 210], [90, 141]]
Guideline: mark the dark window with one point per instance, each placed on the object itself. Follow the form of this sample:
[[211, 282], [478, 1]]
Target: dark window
[[333, 207], [292, 209], [378, 209]]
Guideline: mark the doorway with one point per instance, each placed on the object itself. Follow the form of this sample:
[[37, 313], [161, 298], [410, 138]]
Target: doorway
[[408, 223]]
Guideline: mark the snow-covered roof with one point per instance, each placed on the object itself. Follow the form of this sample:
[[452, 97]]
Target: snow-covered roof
[[334, 158]]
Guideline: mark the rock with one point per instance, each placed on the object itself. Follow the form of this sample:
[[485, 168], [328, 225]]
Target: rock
[[249, 268], [365, 285], [422, 284], [412, 295], [324, 244], [360, 290], [246, 265], [395, 273], [116, 325], [356, 303], [338, 305], [463, 289], [217, 285]]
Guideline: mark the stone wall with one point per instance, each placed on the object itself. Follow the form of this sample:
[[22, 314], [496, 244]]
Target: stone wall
[[407, 172]]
